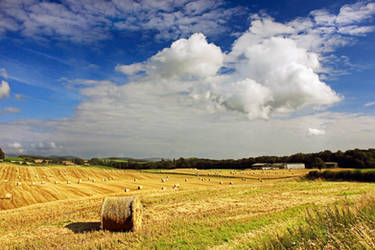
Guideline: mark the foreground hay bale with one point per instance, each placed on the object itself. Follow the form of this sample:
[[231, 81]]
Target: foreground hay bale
[[127, 190], [121, 214], [140, 187], [18, 184], [8, 196], [163, 188]]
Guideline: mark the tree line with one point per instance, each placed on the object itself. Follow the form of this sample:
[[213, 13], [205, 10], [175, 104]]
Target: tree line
[[356, 158]]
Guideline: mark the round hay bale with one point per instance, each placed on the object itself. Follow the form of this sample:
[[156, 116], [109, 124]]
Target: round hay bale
[[163, 188], [8, 196], [56, 182], [5, 181], [231, 183], [220, 182], [186, 180], [19, 184], [121, 214], [68, 182], [43, 182], [140, 187], [127, 190]]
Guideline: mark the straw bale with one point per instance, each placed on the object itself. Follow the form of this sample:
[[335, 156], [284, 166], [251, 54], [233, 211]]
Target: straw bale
[[121, 214]]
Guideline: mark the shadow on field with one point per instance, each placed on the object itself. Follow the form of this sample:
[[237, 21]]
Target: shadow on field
[[82, 227]]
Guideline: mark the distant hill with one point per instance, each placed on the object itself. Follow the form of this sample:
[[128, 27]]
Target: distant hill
[[68, 157], [152, 159], [133, 159], [11, 155]]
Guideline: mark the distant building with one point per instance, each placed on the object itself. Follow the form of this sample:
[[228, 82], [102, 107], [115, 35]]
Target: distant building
[[331, 164], [266, 166], [278, 165], [294, 165], [261, 165], [66, 163]]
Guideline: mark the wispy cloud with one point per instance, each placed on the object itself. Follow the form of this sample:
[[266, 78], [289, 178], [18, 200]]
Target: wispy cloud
[[369, 104], [9, 110], [88, 21]]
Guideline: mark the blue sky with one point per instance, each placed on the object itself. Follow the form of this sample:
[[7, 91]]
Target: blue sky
[[220, 79]]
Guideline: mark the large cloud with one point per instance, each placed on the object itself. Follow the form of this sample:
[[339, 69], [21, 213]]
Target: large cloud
[[272, 74]]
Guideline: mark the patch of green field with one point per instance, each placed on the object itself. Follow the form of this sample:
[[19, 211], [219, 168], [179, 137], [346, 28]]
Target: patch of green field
[[13, 158], [348, 193], [207, 231], [346, 226], [114, 160]]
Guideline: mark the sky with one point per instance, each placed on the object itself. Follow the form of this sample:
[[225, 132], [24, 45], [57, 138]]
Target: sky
[[178, 78]]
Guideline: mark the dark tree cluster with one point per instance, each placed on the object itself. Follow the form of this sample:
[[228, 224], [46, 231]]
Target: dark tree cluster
[[2, 154], [347, 175]]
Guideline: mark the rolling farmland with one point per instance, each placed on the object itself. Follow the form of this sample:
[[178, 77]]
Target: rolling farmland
[[201, 213]]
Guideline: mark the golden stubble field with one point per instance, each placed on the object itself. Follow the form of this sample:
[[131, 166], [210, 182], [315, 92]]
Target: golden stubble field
[[202, 213]]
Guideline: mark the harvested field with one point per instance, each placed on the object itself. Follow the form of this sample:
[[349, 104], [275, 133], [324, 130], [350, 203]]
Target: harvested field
[[32, 185], [199, 214]]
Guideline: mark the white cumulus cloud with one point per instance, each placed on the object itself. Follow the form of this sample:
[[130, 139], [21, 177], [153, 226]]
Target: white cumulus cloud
[[4, 89], [315, 131], [271, 74], [3, 73], [189, 58], [17, 147]]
